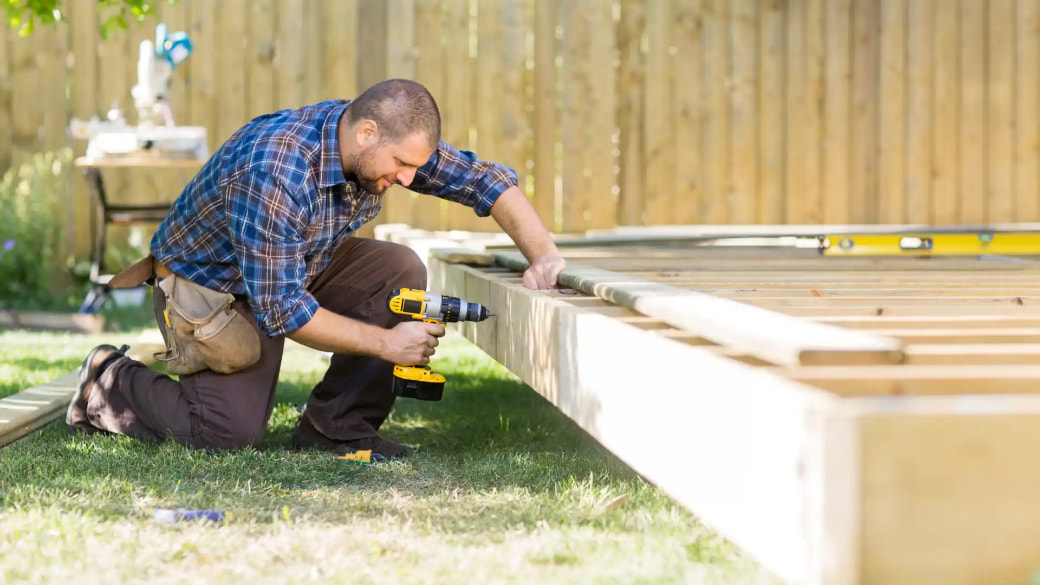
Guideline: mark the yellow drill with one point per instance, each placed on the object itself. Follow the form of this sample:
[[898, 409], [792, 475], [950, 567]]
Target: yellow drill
[[420, 381]]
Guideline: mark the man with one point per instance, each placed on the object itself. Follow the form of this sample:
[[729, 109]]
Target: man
[[269, 219]]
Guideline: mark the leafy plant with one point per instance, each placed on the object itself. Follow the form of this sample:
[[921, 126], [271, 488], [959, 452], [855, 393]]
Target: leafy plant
[[36, 269], [24, 15]]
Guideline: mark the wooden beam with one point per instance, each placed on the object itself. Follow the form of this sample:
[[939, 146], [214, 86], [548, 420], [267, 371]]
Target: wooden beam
[[976, 353], [43, 321], [773, 337], [949, 490], [777, 445], [946, 380], [26, 411], [878, 310], [958, 335], [963, 322]]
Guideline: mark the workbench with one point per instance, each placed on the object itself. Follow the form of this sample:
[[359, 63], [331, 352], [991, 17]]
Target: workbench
[[104, 212]]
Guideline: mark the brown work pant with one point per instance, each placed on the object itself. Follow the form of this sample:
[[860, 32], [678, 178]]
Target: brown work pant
[[224, 411]]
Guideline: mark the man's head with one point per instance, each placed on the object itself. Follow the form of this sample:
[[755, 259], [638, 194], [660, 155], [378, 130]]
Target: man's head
[[388, 132]]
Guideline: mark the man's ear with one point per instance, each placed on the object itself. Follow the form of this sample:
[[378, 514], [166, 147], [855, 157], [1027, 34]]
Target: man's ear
[[367, 133]]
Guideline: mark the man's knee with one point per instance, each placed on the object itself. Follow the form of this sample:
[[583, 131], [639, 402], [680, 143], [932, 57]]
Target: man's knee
[[411, 272]]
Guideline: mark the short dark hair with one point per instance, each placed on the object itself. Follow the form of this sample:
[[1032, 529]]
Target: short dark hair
[[400, 107]]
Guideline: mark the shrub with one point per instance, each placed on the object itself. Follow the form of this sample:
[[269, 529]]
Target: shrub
[[36, 269], [33, 271]]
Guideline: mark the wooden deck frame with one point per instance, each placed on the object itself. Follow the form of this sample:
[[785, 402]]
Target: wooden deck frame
[[853, 486]]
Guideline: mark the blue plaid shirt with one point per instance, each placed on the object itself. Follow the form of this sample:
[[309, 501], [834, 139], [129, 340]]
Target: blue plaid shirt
[[264, 215]]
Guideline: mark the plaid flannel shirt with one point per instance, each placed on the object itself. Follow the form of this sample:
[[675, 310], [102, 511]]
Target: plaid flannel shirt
[[264, 215]]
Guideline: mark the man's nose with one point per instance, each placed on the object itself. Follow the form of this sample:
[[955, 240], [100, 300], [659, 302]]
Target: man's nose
[[405, 178]]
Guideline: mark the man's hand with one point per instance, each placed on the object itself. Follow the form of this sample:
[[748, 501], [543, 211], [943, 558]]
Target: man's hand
[[543, 272], [411, 343]]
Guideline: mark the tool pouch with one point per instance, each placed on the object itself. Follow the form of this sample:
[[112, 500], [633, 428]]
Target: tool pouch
[[203, 331]]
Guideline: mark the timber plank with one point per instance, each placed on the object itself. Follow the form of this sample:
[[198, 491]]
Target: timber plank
[[33, 408], [768, 335]]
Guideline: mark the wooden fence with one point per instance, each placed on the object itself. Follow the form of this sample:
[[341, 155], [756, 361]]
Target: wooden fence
[[613, 111]]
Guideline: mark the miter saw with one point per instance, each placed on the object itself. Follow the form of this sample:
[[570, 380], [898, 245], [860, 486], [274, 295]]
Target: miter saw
[[155, 133]]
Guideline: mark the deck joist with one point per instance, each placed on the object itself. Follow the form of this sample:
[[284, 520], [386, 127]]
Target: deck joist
[[914, 462]]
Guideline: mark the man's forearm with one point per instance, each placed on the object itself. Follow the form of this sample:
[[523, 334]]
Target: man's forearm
[[327, 331], [514, 213]]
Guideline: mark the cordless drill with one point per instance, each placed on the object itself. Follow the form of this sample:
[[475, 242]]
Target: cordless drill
[[420, 381]]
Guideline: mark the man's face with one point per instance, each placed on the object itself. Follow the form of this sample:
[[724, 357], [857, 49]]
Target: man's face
[[379, 166]]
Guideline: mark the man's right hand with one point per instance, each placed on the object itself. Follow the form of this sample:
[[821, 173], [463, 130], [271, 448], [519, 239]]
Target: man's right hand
[[412, 343]]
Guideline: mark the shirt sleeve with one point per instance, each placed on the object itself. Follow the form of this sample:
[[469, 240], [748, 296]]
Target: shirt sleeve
[[266, 226], [460, 176]]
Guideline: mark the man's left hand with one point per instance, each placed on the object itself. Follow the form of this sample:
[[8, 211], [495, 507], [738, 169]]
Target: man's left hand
[[543, 272]]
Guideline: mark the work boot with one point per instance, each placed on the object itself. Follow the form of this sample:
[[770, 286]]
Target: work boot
[[305, 436], [93, 366]]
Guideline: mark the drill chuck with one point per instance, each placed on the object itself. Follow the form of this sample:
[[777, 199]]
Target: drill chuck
[[454, 309]]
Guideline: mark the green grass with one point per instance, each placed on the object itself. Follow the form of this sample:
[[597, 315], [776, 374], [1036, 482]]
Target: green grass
[[504, 489]]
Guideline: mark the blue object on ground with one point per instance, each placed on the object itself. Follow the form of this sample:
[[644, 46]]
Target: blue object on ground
[[171, 516]]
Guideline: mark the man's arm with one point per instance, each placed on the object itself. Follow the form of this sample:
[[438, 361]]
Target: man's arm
[[517, 217], [266, 223], [408, 343], [491, 189]]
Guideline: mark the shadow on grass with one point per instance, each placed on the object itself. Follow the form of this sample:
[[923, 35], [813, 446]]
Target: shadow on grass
[[487, 433]]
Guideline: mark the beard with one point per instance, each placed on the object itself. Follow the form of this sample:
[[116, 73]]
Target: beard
[[363, 170]]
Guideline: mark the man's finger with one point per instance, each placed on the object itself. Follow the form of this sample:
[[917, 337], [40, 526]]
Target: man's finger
[[529, 279]]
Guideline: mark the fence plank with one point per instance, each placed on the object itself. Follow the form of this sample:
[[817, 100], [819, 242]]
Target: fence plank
[[54, 42], [892, 134], [339, 48], [545, 112], [632, 200], [702, 85], [26, 110], [260, 99], [772, 107], [314, 87], [575, 160], [836, 118], [457, 108], [795, 136], [863, 204], [231, 68], [813, 128], [290, 63], [945, 139], [599, 73], [1027, 113], [920, 64], [83, 22], [202, 68], [659, 113], [714, 125], [744, 121], [1000, 121], [972, 162]]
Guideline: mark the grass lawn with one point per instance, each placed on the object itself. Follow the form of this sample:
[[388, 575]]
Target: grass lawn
[[504, 489]]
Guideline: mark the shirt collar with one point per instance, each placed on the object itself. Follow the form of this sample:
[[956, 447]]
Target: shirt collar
[[330, 171]]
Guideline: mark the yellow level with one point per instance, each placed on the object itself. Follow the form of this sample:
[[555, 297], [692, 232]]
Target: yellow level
[[937, 244]]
